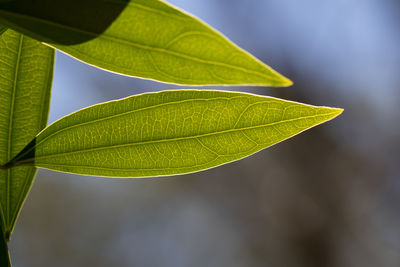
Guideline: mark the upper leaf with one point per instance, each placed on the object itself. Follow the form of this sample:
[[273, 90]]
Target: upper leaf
[[167, 133], [26, 69], [144, 38]]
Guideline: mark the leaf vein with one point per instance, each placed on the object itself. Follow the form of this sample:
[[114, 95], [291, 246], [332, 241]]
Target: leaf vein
[[171, 139]]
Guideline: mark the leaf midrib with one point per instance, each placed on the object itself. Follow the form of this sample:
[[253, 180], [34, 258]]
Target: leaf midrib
[[123, 114], [10, 129], [116, 116], [43, 122], [173, 139], [51, 134]]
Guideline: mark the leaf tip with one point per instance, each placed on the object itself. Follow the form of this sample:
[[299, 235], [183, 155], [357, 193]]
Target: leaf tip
[[333, 112], [286, 82], [337, 111], [280, 81]]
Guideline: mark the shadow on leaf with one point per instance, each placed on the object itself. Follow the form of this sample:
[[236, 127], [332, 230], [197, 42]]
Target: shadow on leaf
[[26, 156], [65, 22]]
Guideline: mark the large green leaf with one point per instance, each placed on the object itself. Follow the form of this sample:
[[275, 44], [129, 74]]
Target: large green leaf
[[26, 69], [148, 38], [171, 132]]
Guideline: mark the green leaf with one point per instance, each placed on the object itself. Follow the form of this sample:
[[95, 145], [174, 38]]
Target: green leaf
[[26, 69], [166, 133], [148, 38]]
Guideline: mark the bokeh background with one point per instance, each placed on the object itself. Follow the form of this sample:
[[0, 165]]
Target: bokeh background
[[328, 197]]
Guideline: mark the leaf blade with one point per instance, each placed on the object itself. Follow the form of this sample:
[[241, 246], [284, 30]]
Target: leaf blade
[[168, 133], [25, 82], [145, 40]]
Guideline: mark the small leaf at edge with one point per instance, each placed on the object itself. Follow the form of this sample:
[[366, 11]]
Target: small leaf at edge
[[26, 68]]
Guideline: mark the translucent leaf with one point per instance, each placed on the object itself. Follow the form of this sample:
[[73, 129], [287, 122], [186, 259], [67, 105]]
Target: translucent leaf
[[26, 70], [168, 133], [143, 38]]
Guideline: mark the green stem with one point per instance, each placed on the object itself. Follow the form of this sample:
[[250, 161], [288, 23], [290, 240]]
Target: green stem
[[4, 254], [7, 166]]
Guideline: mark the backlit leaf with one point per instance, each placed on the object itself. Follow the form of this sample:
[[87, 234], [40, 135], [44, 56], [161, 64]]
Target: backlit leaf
[[26, 69], [143, 38], [166, 133]]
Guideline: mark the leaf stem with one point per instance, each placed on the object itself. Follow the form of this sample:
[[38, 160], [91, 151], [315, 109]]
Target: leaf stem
[[4, 254], [7, 166]]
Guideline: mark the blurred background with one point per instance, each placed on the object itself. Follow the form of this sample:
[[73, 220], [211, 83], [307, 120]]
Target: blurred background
[[327, 197]]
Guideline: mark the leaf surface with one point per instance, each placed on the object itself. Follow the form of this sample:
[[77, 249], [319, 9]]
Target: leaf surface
[[26, 69], [147, 38], [167, 133]]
